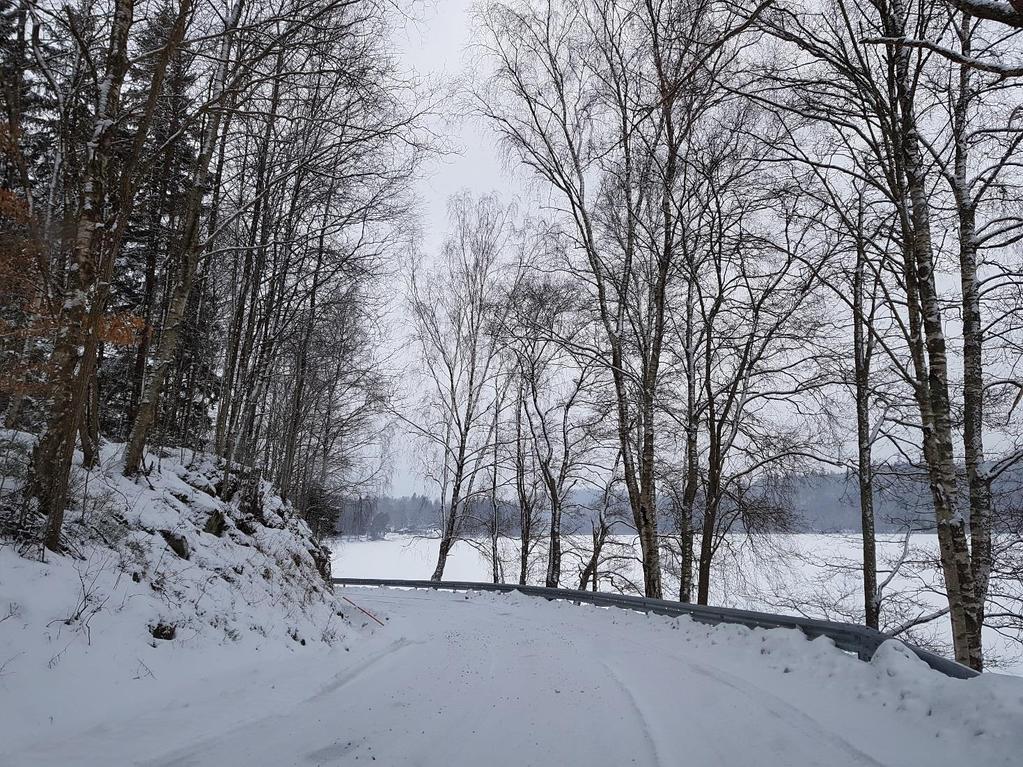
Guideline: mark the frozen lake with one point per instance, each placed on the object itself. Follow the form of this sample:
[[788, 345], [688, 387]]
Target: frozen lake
[[811, 574]]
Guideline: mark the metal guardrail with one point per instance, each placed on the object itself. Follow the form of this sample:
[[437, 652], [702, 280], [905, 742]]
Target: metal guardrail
[[859, 640]]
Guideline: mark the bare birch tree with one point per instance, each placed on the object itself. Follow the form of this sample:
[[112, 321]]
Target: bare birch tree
[[457, 312]]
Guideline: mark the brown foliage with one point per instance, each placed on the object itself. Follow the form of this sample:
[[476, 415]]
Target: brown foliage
[[122, 329]]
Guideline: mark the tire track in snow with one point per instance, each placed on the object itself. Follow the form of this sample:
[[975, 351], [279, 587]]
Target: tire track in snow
[[349, 675], [193, 753], [776, 706], [781, 709], [644, 722]]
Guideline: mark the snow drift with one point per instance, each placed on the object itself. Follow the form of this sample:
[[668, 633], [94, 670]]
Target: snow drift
[[162, 559]]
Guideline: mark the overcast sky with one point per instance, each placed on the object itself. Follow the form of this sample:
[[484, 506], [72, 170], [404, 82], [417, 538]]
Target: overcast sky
[[435, 47]]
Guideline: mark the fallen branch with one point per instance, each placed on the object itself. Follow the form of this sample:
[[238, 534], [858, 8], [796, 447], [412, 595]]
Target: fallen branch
[[367, 612]]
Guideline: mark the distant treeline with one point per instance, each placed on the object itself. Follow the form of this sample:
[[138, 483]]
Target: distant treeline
[[812, 503]]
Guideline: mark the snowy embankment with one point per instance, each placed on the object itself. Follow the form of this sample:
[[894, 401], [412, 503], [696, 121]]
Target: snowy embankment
[[163, 584]]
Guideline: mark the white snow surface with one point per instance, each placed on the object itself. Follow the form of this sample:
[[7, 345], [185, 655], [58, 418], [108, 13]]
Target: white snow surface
[[117, 624], [483, 679], [254, 579], [813, 574], [268, 667]]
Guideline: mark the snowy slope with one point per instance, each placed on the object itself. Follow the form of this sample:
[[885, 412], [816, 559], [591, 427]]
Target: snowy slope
[[482, 679], [165, 551], [164, 584]]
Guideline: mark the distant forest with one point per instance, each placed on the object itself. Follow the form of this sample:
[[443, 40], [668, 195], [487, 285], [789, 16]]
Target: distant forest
[[808, 503]]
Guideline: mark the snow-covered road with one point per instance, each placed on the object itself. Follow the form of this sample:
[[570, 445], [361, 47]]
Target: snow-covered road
[[483, 679]]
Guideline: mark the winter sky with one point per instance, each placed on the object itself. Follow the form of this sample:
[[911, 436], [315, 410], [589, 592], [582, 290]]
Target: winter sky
[[435, 47]]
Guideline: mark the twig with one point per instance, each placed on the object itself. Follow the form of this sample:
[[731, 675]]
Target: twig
[[3, 666], [149, 671]]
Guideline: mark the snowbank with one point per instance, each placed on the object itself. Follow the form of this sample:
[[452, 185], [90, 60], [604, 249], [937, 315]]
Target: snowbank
[[162, 578]]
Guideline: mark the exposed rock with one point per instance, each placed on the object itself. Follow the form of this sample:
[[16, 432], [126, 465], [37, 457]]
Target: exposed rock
[[163, 630], [178, 543], [321, 558], [247, 525], [216, 524]]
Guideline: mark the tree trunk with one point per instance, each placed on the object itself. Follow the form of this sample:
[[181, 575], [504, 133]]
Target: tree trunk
[[935, 406], [713, 488], [95, 249], [973, 339], [864, 468], [525, 502], [190, 247], [451, 520], [495, 527], [554, 552], [707, 530]]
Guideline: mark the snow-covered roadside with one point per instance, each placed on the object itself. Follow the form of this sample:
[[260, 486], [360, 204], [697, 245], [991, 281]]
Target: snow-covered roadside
[[165, 550], [165, 588], [470, 679]]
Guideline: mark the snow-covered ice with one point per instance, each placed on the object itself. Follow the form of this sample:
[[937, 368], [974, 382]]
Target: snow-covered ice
[[812, 574]]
